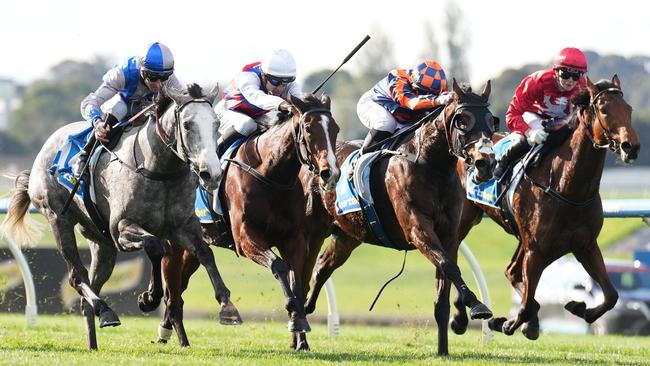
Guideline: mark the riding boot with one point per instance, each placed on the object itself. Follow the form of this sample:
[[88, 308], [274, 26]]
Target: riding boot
[[84, 154], [229, 136], [373, 137], [515, 151]]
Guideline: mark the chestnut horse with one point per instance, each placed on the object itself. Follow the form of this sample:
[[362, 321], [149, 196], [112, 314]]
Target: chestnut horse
[[418, 201], [557, 207], [263, 200]]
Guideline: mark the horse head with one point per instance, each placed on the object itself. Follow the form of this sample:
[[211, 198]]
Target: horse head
[[469, 129], [611, 119], [315, 132], [195, 127]]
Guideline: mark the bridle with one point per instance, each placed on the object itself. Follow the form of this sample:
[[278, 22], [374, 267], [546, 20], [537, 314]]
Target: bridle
[[305, 155], [180, 142], [612, 144], [457, 135]]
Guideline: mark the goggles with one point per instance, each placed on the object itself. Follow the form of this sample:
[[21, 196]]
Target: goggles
[[279, 80], [151, 76], [566, 73]]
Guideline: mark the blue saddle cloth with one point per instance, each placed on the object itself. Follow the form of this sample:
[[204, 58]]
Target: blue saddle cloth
[[202, 202], [63, 163], [347, 199]]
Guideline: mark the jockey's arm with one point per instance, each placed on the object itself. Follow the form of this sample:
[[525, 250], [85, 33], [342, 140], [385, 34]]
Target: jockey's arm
[[402, 93], [113, 82], [249, 85], [522, 101]]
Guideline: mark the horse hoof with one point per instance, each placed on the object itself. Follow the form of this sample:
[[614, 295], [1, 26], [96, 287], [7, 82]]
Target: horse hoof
[[496, 324], [480, 311], [161, 341], [229, 315], [576, 308], [108, 318], [531, 332], [299, 325], [508, 329], [147, 303], [457, 327], [302, 347]]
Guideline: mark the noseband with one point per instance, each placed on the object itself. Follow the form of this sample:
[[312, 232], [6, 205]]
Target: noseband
[[612, 144]]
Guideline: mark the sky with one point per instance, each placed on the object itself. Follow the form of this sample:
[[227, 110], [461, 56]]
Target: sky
[[212, 40]]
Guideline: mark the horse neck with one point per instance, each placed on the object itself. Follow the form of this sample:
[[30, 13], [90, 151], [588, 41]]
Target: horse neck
[[158, 156], [434, 146], [579, 176], [280, 161]]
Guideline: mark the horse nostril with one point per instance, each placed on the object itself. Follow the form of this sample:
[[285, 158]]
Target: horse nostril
[[205, 176], [325, 174], [630, 149], [480, 164]]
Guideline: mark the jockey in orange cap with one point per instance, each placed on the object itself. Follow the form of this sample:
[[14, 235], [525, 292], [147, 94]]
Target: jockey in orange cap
[[404, 96]]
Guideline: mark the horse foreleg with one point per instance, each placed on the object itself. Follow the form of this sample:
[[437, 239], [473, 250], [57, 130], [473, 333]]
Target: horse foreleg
[[133, 237], [533, 267], [101, 267], [441, 312], [189, 237], [78, 278], [592, 260], [337, 252], [295, 254], [173, 269]]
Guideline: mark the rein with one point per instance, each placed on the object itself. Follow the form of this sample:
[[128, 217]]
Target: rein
[[158, 176]]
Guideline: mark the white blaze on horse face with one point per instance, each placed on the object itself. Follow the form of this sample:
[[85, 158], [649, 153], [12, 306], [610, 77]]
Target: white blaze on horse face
[[207, 159], [331, 156]]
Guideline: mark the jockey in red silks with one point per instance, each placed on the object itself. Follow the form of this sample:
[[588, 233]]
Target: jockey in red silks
[[541, 103], [404, 96], [261, 87], [125, 90]]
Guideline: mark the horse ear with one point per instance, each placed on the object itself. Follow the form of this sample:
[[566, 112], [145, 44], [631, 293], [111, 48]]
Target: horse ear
[[297, 102], [591, 87], [325, 99], [212, 95], [616, 81], [176, 95], [456, 88], [485, 95]]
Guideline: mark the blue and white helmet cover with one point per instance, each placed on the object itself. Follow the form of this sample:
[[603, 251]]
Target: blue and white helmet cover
[[158, 59]]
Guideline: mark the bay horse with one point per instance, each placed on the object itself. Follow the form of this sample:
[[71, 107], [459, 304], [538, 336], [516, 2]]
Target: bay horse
[[418, 202], [144, 191], [557, 207], [263, 200]]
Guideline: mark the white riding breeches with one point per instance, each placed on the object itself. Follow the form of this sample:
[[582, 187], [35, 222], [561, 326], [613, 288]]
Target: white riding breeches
[[374, 116]]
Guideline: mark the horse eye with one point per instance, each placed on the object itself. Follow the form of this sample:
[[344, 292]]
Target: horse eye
[[186, 125]]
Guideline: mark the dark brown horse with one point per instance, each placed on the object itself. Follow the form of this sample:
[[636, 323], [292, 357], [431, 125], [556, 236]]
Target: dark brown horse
[[263, 200], [418, 200], [557, 207]]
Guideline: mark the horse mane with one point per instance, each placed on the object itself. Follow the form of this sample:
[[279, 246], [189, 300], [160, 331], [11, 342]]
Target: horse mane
[[582, 101], [309, 102]]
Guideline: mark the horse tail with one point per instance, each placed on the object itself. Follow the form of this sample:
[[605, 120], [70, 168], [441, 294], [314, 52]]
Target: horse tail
[[18, 224]]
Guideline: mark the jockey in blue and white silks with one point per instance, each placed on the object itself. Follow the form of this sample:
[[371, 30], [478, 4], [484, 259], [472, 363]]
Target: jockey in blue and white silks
[[125, 90], [260, 88]]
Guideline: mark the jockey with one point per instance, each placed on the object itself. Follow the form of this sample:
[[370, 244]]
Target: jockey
[[541, 104], [404, 96], [125, 90], [261, 87]]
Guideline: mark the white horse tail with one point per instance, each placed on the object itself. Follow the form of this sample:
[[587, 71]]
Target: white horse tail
[[18, 224]]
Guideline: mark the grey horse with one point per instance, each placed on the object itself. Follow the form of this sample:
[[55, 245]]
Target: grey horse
[[145, 191]]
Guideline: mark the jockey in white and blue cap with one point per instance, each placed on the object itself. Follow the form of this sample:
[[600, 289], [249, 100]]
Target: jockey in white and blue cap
[[126, 89]]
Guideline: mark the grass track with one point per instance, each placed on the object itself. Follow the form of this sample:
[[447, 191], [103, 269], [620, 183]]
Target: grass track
[[59, 340]]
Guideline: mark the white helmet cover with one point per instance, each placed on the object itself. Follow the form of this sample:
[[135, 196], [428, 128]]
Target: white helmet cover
[[279, 63]]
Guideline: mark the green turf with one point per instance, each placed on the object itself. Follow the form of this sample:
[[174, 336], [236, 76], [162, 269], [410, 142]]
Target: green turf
[[60, 340]]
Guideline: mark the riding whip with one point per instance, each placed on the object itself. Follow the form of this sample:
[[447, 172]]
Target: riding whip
[[342, 63]]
